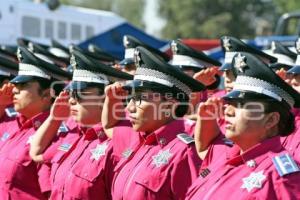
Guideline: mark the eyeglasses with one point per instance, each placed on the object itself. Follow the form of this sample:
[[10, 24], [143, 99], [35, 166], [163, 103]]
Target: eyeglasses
[[138, 98]]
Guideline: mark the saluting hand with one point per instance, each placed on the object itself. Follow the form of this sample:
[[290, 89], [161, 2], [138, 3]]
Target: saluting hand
[[115, 91], [207, 76], [211, 109], [6, 94], [60, 109]]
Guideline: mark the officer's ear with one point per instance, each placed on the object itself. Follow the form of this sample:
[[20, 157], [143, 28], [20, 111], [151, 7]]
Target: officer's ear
[[271, 120], [47, 94]]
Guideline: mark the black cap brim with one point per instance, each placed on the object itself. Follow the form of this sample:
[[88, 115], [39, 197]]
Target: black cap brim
[[126, 61], [278, 66], [242, 96], [145, 85], [225, 67], [79, 85], [294, 70], [22, 79]]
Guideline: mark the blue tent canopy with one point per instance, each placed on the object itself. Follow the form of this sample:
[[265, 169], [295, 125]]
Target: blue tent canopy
[[112, 40]]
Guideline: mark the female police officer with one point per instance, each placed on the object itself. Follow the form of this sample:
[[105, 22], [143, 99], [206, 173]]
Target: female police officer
[[156, 159], [80, 169], [257, 112]]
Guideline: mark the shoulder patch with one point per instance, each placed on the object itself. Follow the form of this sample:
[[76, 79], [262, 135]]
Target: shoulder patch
[[285, 164], [185, 138], [10, 112]]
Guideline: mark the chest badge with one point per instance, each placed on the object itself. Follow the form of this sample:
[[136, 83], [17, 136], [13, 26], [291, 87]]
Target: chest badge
[[255, 180], [98, 151], [162, 158]]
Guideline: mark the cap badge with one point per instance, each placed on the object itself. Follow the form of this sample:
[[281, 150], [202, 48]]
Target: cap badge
[[298, 45], [73, 61], [19, 55], [226, 44], [174, 47], [136, 57], [125, 41], [239, 62]]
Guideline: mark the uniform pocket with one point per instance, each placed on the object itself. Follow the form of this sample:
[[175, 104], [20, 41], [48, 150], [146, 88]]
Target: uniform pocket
[[89, 171], [152, 180]]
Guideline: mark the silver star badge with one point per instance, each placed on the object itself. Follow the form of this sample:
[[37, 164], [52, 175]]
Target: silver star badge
[[239, 62], [298, 45], [162, 158], [174, 47], [251, 163], [98, 151], [136, 57], [273, 46], [255, 180], [125, 41], [73, 61], [226, 43], [19, 55], [91, 48]]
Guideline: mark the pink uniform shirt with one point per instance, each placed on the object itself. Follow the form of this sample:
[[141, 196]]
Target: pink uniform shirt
[[265, 171], [292, 141], [157, 166], [80, 165], [19, 175]]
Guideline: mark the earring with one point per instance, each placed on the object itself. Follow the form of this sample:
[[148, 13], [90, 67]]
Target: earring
[[167, 114]]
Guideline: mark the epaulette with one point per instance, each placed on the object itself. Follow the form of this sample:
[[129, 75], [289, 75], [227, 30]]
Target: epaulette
[[11, 112], [285, 164], [187, 139]]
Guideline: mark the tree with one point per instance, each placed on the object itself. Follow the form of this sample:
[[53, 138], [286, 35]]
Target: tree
[[132, 10], [214, 18]]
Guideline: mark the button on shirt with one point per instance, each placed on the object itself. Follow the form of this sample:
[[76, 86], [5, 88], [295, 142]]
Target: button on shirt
[[78, 165], [154, 166], [19, 175], [251, 175]]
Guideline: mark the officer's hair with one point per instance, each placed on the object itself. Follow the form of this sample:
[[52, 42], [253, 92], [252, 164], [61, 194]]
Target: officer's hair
[[286, 123], [183, 102], [2, 79], [45, 84]]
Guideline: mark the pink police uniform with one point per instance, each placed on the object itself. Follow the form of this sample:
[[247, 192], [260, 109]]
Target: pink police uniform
[[20, 177], [156, 166], [292, 141], [266, 171], [80, 167]]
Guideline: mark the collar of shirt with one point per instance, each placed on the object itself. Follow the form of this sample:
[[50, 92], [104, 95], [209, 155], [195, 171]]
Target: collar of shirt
[[35, 122], [166, 133], [255, 153], [94, 132]]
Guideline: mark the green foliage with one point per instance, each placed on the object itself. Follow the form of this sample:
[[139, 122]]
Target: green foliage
[[132, 10], [214, 18]]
